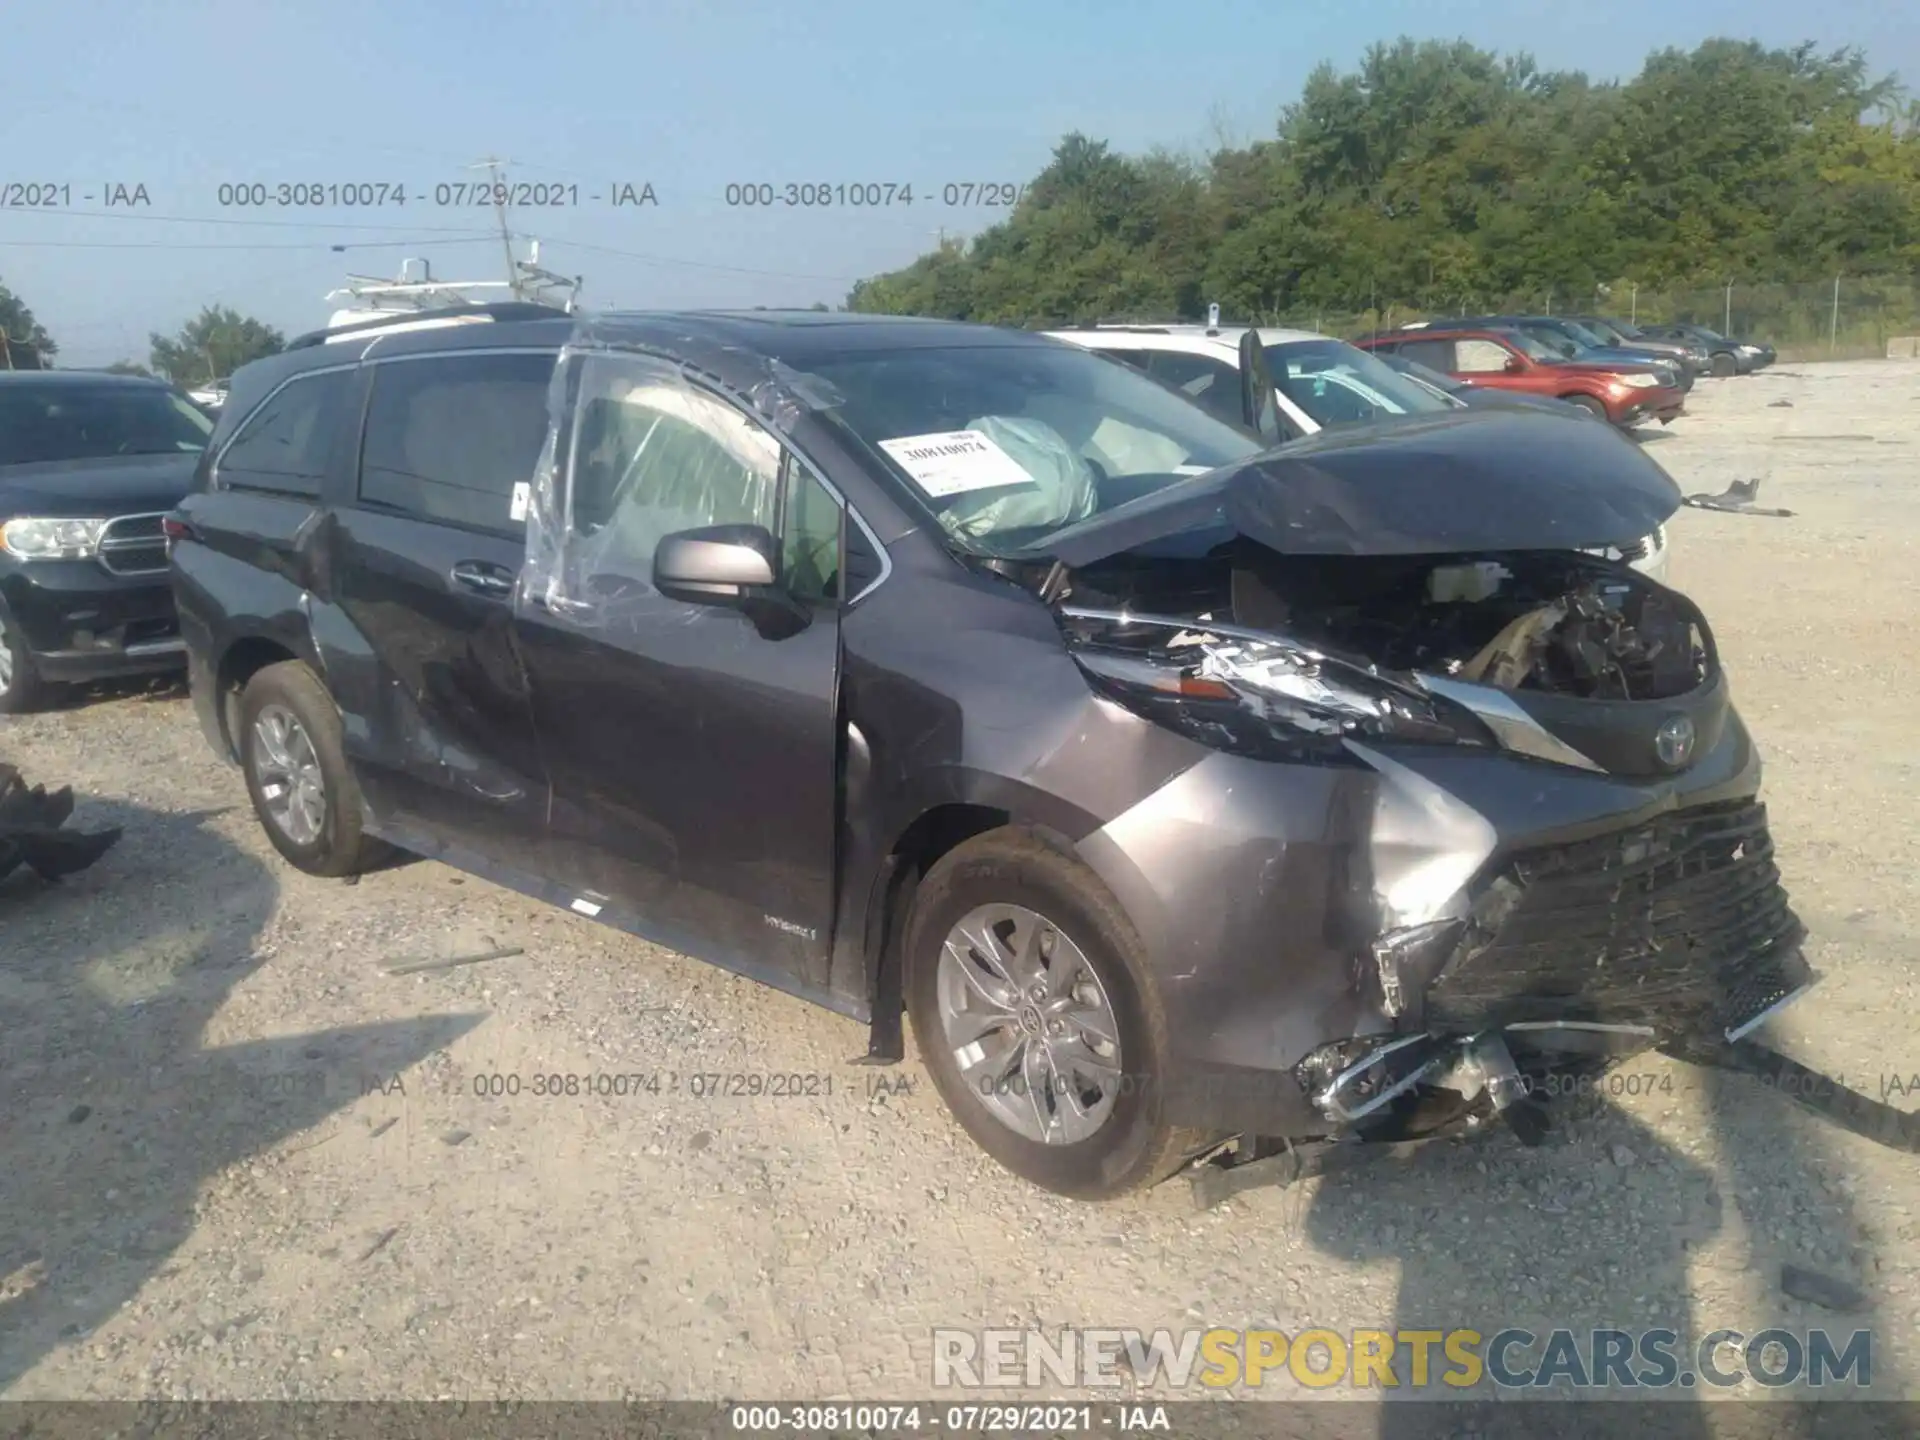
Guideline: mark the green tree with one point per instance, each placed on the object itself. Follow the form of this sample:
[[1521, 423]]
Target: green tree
[[212, 345], [1439, 176], [128, 367], [24, 334]]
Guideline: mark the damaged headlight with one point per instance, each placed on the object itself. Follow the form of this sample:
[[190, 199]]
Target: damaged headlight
[[1251, 693]]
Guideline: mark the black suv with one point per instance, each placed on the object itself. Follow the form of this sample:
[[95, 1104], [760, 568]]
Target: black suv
[[1190, 796], [89, 463]]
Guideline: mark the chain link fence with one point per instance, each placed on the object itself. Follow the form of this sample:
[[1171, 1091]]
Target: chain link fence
[[1846, 317]]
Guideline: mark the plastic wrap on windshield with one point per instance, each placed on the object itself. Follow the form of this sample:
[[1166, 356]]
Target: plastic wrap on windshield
[[635, 452], [1063, 487]]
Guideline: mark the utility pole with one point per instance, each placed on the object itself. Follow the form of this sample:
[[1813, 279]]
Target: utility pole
[[1833, 329], [1726, 324], [492, 166]]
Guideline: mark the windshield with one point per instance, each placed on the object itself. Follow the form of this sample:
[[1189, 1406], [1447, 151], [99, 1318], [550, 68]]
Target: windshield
[[42, 423], [1557, 343], [1613, 334], [1338, 384], [1541, 346], [1584, 334], [1008, 443]]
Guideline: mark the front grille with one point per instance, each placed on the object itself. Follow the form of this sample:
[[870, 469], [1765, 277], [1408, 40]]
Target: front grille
[[1676, 925], [133, 545]]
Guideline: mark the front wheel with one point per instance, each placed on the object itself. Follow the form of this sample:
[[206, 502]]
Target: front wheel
[[1587, 403], [1034, 1012], [1725, 366]]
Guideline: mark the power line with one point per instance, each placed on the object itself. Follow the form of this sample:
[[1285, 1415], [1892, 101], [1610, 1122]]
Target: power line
[[215, 220], [691, 264], [315, 246], [466, 234]]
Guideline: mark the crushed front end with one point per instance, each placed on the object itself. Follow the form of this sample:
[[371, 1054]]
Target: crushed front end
[[1502, 815]]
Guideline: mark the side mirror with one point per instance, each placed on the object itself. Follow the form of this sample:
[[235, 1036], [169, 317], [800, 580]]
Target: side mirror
[[1259, 410], [735, 566], [716, 564], [1515, 365]]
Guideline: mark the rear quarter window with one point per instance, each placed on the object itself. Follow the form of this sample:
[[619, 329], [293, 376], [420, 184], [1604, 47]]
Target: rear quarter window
[[284, 444]]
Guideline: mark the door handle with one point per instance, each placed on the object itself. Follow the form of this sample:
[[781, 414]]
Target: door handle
[[494, 581]]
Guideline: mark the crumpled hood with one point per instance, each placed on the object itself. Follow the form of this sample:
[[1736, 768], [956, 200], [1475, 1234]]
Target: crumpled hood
[[1473, 480]]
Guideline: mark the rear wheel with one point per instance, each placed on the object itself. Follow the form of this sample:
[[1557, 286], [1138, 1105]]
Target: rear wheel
[[297, 773], [1587, 403], [21, 688], [1725, 366], [1033, 1010]]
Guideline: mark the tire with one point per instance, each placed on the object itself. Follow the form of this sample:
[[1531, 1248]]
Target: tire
[[1132, 1147], [22, 690], [1587, 403], [1725, 366], [285, 708]]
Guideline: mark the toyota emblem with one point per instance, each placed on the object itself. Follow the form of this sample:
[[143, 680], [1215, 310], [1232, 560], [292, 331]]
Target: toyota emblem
[[1673, 742]]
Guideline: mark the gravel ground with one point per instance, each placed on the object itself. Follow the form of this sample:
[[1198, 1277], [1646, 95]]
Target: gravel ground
[[238, 1159]]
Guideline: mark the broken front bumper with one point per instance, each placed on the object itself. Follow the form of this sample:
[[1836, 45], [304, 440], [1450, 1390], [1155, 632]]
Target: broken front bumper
[[1330, 942]]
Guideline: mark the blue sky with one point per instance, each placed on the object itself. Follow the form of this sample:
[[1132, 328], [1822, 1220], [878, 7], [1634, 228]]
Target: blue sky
[[688, 95]]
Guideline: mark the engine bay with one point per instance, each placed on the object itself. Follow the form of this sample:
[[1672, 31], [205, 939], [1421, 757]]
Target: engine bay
[[1560, 622]]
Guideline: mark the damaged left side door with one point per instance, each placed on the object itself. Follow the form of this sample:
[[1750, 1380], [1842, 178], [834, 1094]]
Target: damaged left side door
[[418, 640], [691, 742]]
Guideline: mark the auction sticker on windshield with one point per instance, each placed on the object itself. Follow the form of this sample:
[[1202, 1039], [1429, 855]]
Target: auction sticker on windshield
[[956, 463]]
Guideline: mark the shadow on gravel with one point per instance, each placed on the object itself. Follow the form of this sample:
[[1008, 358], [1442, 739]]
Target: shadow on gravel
[[1543, 1239], [151, 689], [114, 1108], [1491, 1236]]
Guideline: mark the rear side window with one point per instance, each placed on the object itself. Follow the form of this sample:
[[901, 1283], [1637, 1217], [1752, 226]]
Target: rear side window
[[1479, 357], [454, 438], [284, 445]]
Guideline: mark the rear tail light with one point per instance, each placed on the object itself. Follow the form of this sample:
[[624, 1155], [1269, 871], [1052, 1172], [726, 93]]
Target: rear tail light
[[175, 529]]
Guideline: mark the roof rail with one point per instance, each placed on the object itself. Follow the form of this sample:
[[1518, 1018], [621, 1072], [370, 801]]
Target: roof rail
[[502, 311]]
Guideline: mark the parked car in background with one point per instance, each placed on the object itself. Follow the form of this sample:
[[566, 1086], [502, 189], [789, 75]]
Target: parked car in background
[[1728, 356], [1621, 392], [1569, 341], [1619, 333], [89, 463], [1183, 789], [1480, 397], [1319, 381]]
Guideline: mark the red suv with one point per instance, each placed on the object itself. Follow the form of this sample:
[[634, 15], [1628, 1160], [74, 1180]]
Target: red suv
[[1509, 360]]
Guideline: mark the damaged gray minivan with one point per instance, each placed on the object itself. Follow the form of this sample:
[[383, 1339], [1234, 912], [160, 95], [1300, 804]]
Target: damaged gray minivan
[[1195, 799]]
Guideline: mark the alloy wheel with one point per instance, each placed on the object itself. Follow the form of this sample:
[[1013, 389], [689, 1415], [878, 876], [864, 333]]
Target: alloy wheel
[[293, 788], [1030, 1024], [6, 657]]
